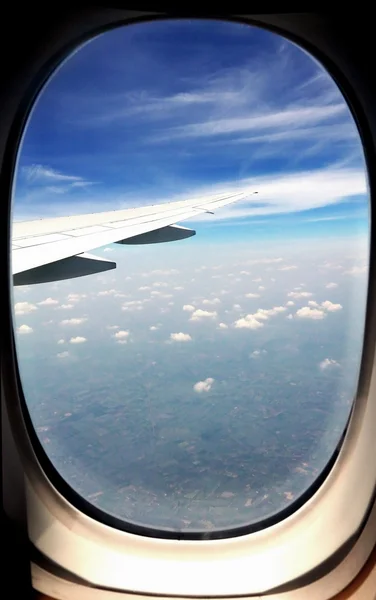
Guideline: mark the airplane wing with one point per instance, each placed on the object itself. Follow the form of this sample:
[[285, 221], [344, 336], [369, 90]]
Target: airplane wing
[[54, 249]]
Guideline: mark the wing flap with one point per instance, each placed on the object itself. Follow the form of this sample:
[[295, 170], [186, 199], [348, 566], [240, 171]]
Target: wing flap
[[67, 268]]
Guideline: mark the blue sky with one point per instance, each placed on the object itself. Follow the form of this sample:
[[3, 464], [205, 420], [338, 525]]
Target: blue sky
[[165, 110]]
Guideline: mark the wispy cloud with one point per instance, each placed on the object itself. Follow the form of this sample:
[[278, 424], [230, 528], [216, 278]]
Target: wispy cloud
[[44, 174], [263, 121]]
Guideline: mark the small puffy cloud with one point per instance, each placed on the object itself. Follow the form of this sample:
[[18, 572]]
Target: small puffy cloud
[[244, 273], [213, 301], [312, 303], [63, 354], [237, 307], [330, 306], [77, 340], [310, 313], [299, 294], [74, 321], [61, 341], [153, 328], [132, 305], [178, 288], [222, 326], [328, 362], [160, 284], [48, 302], [248, 322], [123, 334], [331, 285], [289, 317], [180, 337], [199, 314], [203, 386], [144, 288], [110, 327], [252, 295], [265, 313], [261, 288], [24, 329], [65, 306], [188, 307], [290, 303], [24, 308], [107, 292], [356, 270], [75, 297], [257, 353], [288, 268]]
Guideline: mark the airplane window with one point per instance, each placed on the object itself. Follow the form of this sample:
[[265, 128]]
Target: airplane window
[[204, 383]]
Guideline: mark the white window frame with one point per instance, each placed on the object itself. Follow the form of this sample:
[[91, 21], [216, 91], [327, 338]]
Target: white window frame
[[321, 546]]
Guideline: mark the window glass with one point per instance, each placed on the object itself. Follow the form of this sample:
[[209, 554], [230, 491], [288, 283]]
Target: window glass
[[204, 383]]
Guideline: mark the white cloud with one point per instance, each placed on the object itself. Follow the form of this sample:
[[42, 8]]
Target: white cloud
[[265, 313], [252, 295], [299, 294], [123, 334], [356, 270], [284, 193], [213, 301], [312, 303], [328, 362], [24, 329], [248, 322], [331, 285], [330, 306], [77, 340], [222, 326], [48, 302], [288, 268], [165, 272], [153, 328], [61, 341], [132, 305], [160, 284], [178, 288], [203, 386], [42, 174], [63, 354], [310, 313], [74, 321], [75, 297], [108, 249], [107, 292], [257, 353], [289, 317], [112, 327], [290, 303], [203, 314], [143, 288], [189, 307], [237, 307], [180, 337], [257, 280], [24, 308], [65, 306], [261, 288]]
